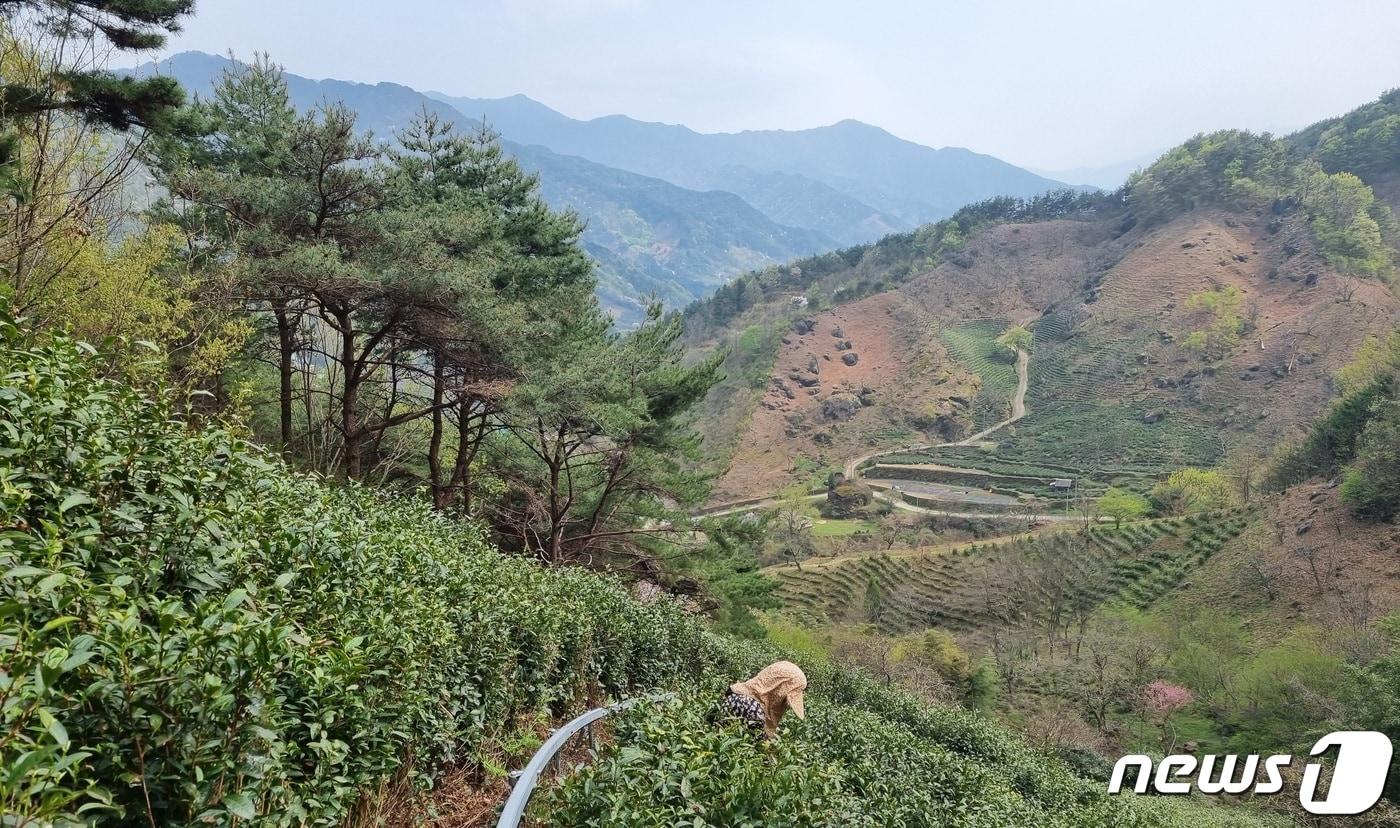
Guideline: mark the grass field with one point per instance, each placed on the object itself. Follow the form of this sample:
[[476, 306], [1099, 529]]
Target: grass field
[[824, 528]]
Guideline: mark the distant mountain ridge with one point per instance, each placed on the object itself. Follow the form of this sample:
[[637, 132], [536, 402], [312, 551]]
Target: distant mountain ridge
[[673, 213], [841, 169]]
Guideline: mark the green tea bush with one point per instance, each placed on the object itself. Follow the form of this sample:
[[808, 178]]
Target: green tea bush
[[192, 633], [847, 765], [676, 767]]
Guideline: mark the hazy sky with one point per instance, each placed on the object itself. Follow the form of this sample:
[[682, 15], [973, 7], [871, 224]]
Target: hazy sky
[[1053, 84]]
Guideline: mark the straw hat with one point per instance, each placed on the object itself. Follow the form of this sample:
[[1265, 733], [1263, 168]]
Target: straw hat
[[778, 687]]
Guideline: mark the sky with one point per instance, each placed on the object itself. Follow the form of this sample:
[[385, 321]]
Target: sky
[[1048, 84]]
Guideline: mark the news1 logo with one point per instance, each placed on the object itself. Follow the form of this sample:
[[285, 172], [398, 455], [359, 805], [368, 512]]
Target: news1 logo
[[1358, 775]]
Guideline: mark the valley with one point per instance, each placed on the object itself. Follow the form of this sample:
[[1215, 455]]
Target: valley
[[360, 446], [1089, 510]]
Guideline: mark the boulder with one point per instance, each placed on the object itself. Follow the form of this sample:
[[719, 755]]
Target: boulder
[[1153, 417], [840, 406], [850, 358], [804, 326], [843, 345], [813, 367], [838, 332]]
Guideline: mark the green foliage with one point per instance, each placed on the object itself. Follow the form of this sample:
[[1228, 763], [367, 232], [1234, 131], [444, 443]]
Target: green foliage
[[1365, 141], [80, 86], [1241, 170], [1121, 504], [1353, 230], [939, 651], [1016, 339], [1371, 485], [1377, 360], [191, 632], [675, 767], [1224, 324], [1193, 490], [864, 757], [1331, 442], [976, 346], [1374, 701], [1231, 167]]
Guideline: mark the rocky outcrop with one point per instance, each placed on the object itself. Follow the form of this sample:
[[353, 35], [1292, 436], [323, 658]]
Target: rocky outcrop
[[840, 406], [845, 498]]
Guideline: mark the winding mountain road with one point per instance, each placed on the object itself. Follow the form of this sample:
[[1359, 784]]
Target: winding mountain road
[[852, 467], [1018, 411]]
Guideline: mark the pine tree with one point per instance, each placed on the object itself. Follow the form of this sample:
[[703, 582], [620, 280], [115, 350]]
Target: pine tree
[[97, 95]]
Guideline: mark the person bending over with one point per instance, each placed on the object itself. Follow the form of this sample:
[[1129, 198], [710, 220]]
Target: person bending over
[[761, 701]]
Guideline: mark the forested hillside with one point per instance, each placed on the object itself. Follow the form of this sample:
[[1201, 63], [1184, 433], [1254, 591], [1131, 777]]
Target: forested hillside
[[649, 237], [672, 213]]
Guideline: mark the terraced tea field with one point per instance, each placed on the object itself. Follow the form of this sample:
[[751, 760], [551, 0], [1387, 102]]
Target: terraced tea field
[[1041, 579], [974, 346]]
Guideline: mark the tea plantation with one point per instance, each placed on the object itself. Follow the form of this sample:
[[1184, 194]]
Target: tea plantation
[[980, 587], [192, 633]]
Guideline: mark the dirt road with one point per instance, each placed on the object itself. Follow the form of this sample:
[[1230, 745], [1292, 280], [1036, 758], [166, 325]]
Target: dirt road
[[852, 467]]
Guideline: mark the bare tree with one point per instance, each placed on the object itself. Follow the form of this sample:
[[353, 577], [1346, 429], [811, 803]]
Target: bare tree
[[1346, 289], [1264, 576], [1320, 563]]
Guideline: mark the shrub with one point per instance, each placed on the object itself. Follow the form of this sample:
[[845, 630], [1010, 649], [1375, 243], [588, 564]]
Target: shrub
[[1371, 485], [675, 767], [1193, 490]]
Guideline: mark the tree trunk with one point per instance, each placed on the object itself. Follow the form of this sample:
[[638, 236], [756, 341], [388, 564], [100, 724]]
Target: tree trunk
[[286, 345], [442, 490], [350, 397]]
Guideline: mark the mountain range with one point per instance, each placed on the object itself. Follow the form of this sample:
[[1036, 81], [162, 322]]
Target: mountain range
[[671, 212]]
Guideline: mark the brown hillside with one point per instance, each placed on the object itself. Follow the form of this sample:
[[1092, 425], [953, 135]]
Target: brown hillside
[[1126, 347], [818, 409], [913, 392], [1113, 389], [1303, 559]]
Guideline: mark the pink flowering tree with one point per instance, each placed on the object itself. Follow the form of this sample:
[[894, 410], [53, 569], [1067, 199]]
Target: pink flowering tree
[[1161, 699]]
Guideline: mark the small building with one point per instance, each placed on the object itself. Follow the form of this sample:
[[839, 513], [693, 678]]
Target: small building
[[1062, 484]]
